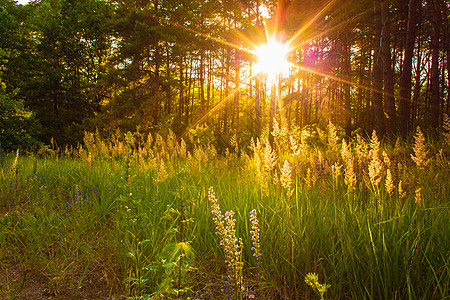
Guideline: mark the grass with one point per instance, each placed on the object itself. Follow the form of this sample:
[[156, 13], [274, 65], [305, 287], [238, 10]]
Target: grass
[[138, 208]]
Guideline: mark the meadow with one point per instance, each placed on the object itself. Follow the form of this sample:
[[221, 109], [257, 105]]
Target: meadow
[[312, 216]]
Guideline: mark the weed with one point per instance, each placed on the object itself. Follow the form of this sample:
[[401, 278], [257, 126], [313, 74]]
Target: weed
[[313, 281]]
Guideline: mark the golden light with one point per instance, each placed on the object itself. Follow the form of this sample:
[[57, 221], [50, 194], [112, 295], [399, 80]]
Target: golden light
[[271, 58]]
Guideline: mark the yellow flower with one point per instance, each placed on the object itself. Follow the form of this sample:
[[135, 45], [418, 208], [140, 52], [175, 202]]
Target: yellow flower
[[418, 196]]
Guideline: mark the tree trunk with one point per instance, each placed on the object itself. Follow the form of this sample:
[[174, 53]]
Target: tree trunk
[[202, 86], [273, 97], [388, 73], [435, 97], [236, 92], [347, 75], [257, 110], [418, 82], [181, 95], [377, 74], [226, 96], [368, 115], [156, 97], [361, 91], [447, 51], [169, 98], [208, 88], [187, 112], [404, 107]]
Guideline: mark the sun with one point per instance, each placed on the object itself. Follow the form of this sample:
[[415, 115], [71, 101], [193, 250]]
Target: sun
[[271, 58]]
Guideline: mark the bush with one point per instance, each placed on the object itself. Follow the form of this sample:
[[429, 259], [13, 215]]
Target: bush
[[18, 125]]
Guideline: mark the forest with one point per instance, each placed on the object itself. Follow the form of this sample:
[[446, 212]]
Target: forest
[[224, 149], [72, 66]]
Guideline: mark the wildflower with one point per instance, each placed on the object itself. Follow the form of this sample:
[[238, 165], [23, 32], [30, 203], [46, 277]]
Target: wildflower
[[374, 142], [276, 131], [225, 229], [270, 158], [13, 169], [160, 145], [361, 146], [294, 146], [333, 139], [78, 195], [281, 132], [88, 140], [313, 280], [254, 232], [375, 165], [200, 155], [285, 179], [182, 149], [171, 140], [386, 159], [276, 179], [418, 196], [162, 173], [350, 176], [89, 160], [345, 152], [389, 183], [420, 150], [336, 172]]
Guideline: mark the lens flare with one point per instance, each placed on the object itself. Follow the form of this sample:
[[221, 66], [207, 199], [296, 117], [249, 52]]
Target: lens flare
[[271, 58]]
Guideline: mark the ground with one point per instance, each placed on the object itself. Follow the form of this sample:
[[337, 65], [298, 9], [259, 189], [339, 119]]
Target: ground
[[20, 282]]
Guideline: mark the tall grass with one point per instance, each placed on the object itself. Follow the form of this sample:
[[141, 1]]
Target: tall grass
[[347, 210]]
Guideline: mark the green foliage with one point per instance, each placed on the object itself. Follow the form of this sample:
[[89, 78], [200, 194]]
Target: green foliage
[[18, 126], [53, 55], [174, 64], [202, 135]]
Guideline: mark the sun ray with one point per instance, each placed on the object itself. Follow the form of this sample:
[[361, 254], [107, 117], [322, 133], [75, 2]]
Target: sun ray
[[212, 111], [253, 47], [311, 21], [339, 79], [321, 33], [271, 58]]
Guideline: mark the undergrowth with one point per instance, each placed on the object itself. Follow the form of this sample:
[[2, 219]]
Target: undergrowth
[[370, 219]]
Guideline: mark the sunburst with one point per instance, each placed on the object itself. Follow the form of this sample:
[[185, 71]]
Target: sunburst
[[271, 58]]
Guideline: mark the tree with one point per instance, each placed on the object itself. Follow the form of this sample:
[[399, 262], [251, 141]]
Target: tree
[[404, 106], [435, 7], [177, 64], [57, 62], [18, 125], [388, 72]]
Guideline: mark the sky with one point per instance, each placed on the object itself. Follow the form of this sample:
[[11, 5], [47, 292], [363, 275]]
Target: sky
[[23, 1]]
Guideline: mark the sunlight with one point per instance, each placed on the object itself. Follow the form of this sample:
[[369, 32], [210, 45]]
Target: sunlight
[[271, 58], [264, 11]]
